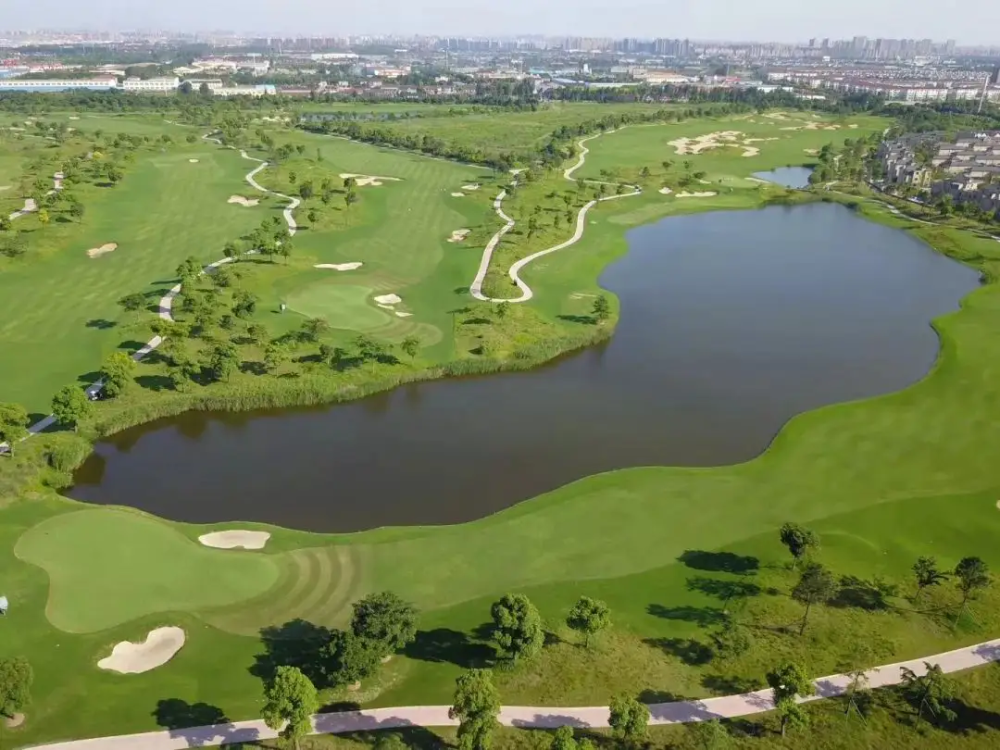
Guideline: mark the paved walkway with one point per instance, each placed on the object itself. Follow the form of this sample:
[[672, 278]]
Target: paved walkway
[[681, 712], [167, 301], [476, 288]]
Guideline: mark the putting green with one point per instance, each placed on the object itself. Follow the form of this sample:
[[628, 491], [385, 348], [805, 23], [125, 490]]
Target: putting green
[[108, 567], [341, 305]]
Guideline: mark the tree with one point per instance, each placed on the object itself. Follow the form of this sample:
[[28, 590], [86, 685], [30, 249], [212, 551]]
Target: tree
[[231, 251], [973, 575], [43, 216], [792, 716], [816, 585], [77, 210], [926, 571], [350, 658], [244, 304], [386, 620], [786, 683], [645, 173], [589, 616], [732, 640], [117, 373], [628, 718], [133, 303], [711, 735], [369, 350], [501, 310], [410, 346], [257, 334], [930, 691], [390, 741], [517, 627], [563, 739], [16, 677], [476, 706], [799, 540], [13, 425], [313, 328], [306, 190], [70, 406], [290, 700], [601, 309], [285, 250], [223, 362], [313, 218]]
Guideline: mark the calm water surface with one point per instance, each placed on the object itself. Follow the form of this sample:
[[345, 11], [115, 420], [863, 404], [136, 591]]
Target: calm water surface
[[793, 177], [731, 324]]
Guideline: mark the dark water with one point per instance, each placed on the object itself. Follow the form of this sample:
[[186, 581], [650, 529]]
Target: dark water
[[793, 177], [731, 324]]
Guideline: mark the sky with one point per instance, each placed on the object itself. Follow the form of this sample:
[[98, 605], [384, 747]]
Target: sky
[[971, 22]]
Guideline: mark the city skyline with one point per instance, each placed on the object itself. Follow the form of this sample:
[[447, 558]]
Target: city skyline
[[781, 21]]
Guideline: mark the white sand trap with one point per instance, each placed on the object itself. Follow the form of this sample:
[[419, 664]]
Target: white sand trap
[[704, 142], [4, 187], [243, 201], [73, 117], [832, 127], [235, 539], [853, 127], [696, 195], [193, 161], [132, 658], [340, 266], [388, 299], [811, 151], [458, 195], [750, 151], [97, 252], [758, 140], [400, 314], [459, 235], [470, 187], [665, 191], [14, 127], [387, 307], [776, 116], [366, 180]]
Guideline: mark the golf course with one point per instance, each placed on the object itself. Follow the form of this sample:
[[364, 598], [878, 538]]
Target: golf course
[[343, 268]]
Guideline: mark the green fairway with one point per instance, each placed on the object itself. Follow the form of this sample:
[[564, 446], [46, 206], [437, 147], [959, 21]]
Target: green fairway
[[341, 305], [91, 589]]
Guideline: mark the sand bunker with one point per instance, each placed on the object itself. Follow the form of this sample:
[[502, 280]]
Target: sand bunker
[[704, 142], [811, 151], [243, 201], [340, 266], [400, 314], [4, 187], [807, 126], [665, 191], [696, 195], [366, 180], [758, 140], [73, 117], [458, 195], [459, 235], [235, 539], [97, 252], [193, 161], [388, 299], [853, 127], [776, 116], [132, 658], [470, 187], [750, 151]]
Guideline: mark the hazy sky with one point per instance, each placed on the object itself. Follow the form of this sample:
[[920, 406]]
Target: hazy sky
[[970, 22]]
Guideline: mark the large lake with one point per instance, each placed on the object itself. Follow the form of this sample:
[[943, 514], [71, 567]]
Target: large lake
[[731, 323]]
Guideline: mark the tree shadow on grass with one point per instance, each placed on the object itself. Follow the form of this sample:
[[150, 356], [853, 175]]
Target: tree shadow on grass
[[450, 646], [702, 616], [415, 738], [729, 685], [131, 345], [583, 319], [296, 643], [155, 382], [101, 324], [719, 562], [89, 377], [688, 650]]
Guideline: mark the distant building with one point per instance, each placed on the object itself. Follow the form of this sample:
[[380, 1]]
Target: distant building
[[262, 90], [162, 85], [57, 85]]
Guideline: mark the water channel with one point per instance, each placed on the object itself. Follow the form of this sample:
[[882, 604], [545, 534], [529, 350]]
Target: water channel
[[732, 323]]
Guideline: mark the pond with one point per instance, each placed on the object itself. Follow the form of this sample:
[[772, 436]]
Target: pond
[[732, 323], [793, 177]]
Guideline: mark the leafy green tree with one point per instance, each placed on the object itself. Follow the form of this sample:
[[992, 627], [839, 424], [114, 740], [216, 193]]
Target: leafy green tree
[[476, 706], [275, 355], [16, 677], [244, 304], [77, 210], [349, 658], [517, 627], [386, 620], [410, 346], [70, 406], [563, 739], [800, 541], [589, 616], [313, 328], [117, 373], [628, 719], [231, 251], [13, 425], [601, 309], [313, 218], [257, 334], [223, 362], [926, 571], [973, 575], [732, 640], [791, 715], [787, 682], [290, 700], [501, 310], [931, 691], [816, 585], [390, 741], [369, 350], [133, 303], [710, 735]]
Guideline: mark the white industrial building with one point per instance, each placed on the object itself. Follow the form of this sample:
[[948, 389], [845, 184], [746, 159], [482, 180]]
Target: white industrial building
[[163, 85]]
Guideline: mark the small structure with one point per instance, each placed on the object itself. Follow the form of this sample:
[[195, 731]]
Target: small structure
[[4, 605]]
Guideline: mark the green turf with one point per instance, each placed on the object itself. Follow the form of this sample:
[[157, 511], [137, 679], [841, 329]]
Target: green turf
[[342, 305], [92, 587]]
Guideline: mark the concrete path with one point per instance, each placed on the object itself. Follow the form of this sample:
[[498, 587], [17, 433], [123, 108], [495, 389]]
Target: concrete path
[[167, 301], [476, 288], [30, 206], [680, 712]]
